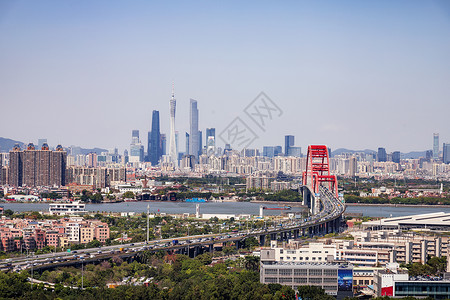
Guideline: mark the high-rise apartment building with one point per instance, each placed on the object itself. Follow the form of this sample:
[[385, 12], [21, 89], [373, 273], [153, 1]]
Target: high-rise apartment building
[[381, 155], [210, 141], [288, 142], [15, 170], [446, 153], [193, 133], [435, 146], [32, 167], [92, 160], [173, 145], [154, 143]]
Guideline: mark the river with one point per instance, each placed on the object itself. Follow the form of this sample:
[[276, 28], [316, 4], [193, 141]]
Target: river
[[226, 208], [162, 207]]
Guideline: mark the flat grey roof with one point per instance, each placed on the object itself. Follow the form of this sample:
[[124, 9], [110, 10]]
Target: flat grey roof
[[440, 219]]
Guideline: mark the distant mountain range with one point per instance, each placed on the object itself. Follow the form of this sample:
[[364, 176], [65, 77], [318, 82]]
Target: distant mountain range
[[6, 145], [412, 155]]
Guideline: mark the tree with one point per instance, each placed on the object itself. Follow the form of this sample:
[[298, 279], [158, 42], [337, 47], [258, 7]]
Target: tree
[[251, 263], [128, 194], [250, 243], [8, 212], [308, 292], [93, 244], [97, 197]]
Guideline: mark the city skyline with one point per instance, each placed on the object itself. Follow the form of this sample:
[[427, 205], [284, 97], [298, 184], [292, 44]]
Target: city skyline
[[377, 71]]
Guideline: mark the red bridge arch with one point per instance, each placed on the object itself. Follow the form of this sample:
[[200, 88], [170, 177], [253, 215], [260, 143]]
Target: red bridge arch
[[318, 169]]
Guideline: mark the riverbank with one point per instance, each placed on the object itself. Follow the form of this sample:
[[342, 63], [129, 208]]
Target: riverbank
[[279, 203], [396, 205]]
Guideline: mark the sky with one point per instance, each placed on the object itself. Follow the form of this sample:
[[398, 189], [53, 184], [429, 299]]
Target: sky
[[348, 74]]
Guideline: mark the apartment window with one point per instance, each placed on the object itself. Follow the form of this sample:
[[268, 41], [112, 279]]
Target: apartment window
[[300, 280], [315, 272], [271, 272], [315, 280], [301, 272], [285, 280], [271, 280], [285, 272], [330, 272]]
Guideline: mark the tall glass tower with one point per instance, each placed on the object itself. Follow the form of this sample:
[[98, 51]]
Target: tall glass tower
[[154, 145], [172, 141], [193, 134], [435, 146], [288, 142]]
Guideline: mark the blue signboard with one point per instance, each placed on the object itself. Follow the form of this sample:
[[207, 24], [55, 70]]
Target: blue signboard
[[345, 279]]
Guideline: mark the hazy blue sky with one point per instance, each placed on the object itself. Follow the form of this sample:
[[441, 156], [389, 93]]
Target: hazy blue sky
[[355, 74]]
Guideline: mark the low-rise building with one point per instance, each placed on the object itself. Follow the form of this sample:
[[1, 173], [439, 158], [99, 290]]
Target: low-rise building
[[62, 209]]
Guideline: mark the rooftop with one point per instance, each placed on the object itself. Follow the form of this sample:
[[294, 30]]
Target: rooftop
[[439, 219]]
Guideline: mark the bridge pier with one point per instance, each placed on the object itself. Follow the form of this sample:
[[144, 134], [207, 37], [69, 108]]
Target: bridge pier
[[262, 240], [238, 244]]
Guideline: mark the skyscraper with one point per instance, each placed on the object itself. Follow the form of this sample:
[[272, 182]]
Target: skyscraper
[[154, 145], [435, 146], [136, 148], [193, 133], [173, 151], [446, 153], [396, 156], [288, 142], [210, 141], [382, 156]]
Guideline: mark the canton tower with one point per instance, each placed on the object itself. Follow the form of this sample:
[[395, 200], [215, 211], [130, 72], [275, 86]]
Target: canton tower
[[172, 145]]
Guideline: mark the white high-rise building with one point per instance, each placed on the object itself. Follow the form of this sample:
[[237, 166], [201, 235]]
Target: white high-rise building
[[172, 142]]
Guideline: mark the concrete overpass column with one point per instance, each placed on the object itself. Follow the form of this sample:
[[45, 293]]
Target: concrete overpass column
[[262, 240]]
